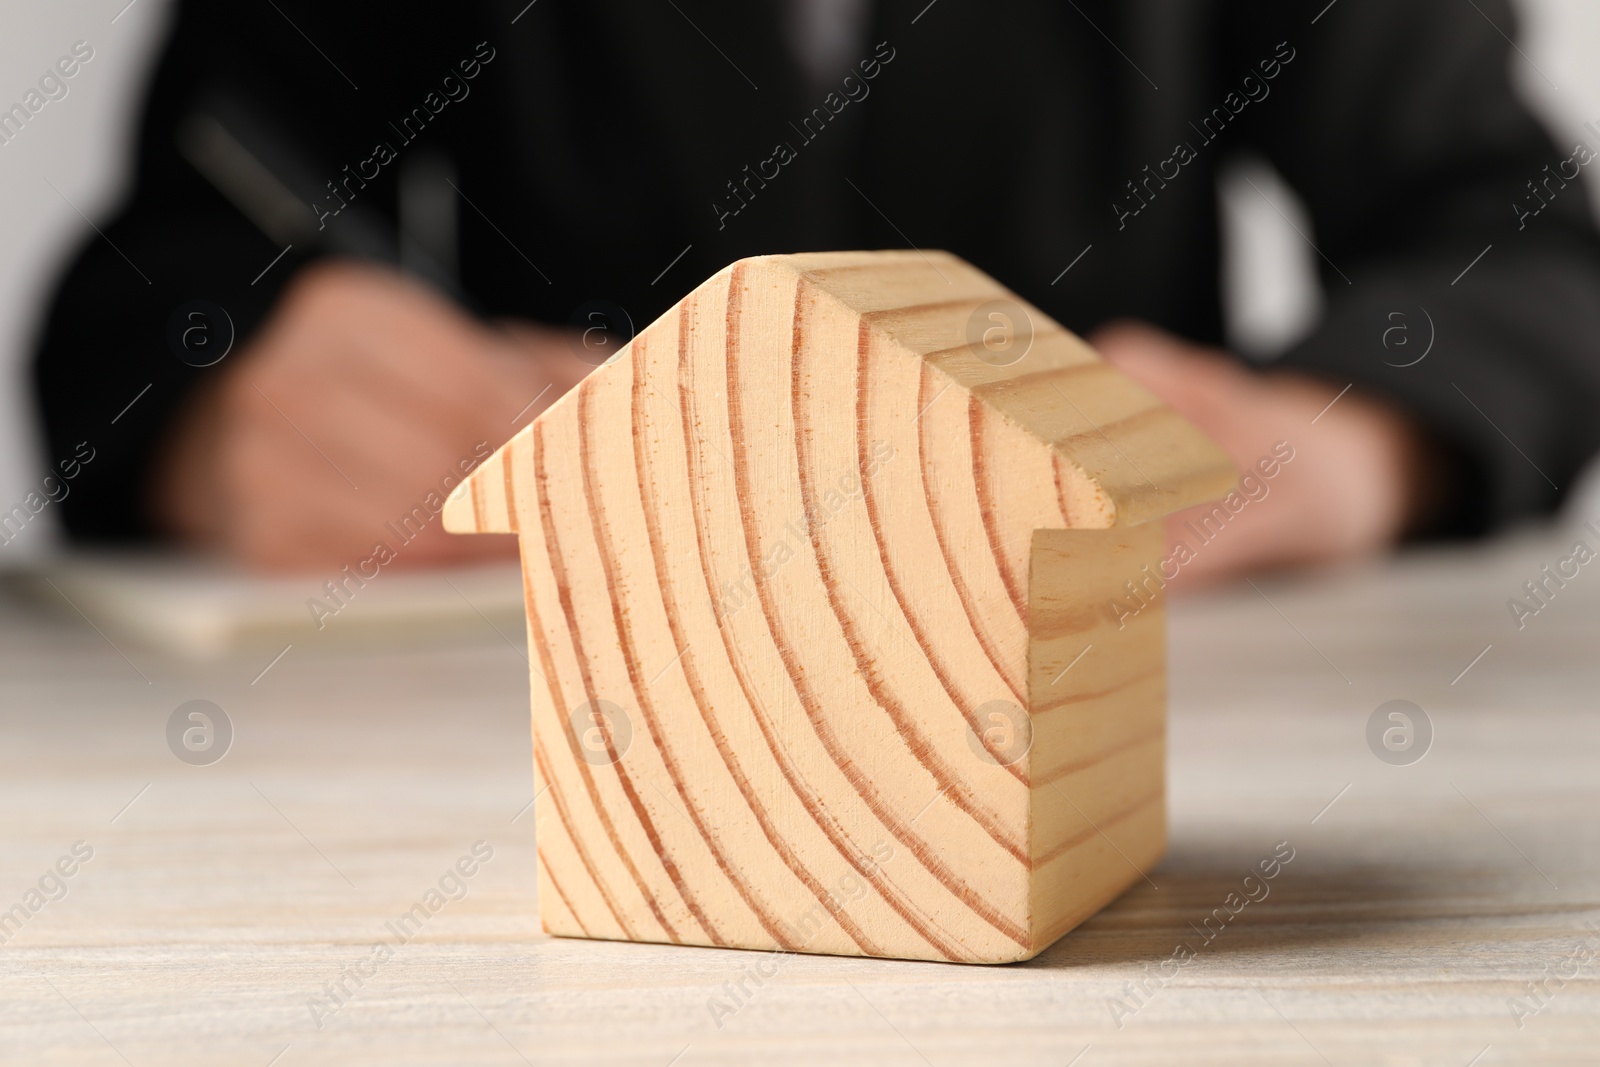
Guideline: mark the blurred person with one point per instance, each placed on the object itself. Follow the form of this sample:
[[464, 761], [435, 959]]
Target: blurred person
[[622, 152]]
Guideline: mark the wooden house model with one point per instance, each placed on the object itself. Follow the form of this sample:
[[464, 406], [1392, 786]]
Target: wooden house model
[[819, 576]]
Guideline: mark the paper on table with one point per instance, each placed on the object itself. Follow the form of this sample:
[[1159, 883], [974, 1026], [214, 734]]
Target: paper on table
[[199, 608]]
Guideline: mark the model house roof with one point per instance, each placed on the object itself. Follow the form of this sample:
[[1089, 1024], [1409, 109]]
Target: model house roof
[[931, 328]]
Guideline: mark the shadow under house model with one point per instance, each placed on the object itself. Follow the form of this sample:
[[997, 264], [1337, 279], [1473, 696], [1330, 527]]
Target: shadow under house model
[[810, 571]]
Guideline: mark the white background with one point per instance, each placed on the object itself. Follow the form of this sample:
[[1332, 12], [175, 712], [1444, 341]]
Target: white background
[[82, 143]]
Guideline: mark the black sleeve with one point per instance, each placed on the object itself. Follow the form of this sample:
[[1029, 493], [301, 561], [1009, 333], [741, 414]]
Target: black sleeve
[[1441, 208], [105, 372]]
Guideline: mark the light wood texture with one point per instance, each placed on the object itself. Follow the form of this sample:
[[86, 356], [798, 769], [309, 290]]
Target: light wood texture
[[206, 921], [1098, 708], [784, 549]]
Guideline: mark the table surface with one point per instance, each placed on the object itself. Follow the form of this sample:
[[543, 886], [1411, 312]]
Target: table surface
[[223, 902]]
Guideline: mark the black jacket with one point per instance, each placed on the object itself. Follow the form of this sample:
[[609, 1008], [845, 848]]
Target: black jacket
[[594, 142]]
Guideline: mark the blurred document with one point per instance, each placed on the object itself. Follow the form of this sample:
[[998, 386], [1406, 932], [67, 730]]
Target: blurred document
[[200, 608]]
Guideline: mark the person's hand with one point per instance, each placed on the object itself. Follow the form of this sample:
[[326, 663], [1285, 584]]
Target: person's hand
[[361, 395], [1355, 483]]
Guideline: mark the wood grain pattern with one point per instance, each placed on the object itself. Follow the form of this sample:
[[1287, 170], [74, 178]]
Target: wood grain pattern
[[798, 619]]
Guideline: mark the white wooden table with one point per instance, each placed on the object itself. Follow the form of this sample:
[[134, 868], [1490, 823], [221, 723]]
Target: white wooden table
[[222, 902]]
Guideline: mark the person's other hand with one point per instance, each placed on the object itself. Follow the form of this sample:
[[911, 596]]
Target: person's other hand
[[360, 395], [1355, 483]]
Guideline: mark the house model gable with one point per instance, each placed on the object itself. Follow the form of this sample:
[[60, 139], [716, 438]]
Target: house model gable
[[818, 574]]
